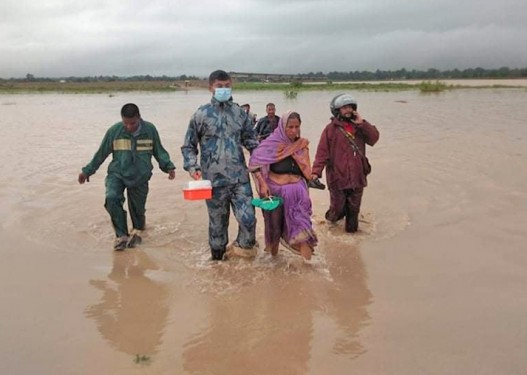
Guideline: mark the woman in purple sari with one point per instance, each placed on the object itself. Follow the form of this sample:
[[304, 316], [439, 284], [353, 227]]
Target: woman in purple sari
[[281, 167]]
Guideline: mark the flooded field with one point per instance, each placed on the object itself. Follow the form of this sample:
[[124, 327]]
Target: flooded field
[[433, 283]]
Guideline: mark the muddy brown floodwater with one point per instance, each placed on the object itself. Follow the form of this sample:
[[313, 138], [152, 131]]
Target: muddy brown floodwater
[[434, 282]]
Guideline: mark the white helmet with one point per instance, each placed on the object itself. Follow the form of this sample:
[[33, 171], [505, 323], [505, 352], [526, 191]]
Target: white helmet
[[340, 101]]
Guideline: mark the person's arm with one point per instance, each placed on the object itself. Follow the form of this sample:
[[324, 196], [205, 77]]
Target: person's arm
[[322, 155], [258, 127], [265, 130], [100, 156], [248, 136], [189, 150], [370, 132], [261, 186], [162, 156]]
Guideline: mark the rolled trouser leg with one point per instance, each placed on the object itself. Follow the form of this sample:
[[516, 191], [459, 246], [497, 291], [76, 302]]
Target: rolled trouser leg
[[114, 205], [136, 204], [218, 209]]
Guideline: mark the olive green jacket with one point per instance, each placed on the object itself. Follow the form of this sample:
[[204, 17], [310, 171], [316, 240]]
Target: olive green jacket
[[131, 155]]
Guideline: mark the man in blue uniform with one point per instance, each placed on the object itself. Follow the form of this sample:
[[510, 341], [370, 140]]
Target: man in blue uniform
[[221, 129]]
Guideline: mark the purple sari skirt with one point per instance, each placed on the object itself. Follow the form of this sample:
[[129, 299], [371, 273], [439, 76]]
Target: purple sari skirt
[[292, 220]]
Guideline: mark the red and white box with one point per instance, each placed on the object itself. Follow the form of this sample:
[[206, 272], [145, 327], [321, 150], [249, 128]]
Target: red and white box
[[196, 190]]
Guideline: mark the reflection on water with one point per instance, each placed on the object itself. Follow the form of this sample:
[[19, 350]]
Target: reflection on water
[[263, 335], [133, 309], [348, 299], [292, 319], [281, 325]]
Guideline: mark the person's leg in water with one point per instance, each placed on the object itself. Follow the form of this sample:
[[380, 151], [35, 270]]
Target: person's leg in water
[[353, 202], [219, 210], [273, 223], [298, 230], [136, 205], [113, 203], [243, 210], [337, 203], [306, 251]]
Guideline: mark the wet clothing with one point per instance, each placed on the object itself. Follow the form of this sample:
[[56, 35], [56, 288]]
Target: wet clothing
[[286, 166], [266, 126], [130, 169], [114, 204], [238, 196], [219, 131], [131, 154], [345, 204], [344, 170], [292, 220], [335, 153]]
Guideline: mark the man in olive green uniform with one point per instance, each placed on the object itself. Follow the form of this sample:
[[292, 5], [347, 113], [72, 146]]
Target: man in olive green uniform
[[132, 143]]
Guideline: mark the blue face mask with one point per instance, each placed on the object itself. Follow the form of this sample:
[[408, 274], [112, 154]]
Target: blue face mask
[[222, 94]]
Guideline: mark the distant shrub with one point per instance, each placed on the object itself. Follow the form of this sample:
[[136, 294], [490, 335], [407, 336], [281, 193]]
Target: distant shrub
[[296, 84], [429, 86], [291, 94]]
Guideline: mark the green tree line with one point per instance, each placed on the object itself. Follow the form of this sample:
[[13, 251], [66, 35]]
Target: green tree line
[[403, 74], [137, 78], [378, 75]]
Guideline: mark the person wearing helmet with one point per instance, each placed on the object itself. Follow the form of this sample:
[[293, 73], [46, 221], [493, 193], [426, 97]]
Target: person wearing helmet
[[342, 152]]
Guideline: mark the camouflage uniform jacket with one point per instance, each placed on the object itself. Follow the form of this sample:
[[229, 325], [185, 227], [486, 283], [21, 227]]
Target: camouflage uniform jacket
[[220, 130]]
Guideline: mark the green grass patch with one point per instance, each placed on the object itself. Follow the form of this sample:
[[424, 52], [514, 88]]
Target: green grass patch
[[86, 87], [291, 94], [429, 86], [324, 86], [290, 89], [141, 359]]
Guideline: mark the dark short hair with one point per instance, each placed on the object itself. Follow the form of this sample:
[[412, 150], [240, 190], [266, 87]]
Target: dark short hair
[[270, 105], [219, 75], [130, 110], [294, 115]]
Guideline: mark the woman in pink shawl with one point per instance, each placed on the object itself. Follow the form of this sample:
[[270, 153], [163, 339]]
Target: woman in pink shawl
[[281, 166]]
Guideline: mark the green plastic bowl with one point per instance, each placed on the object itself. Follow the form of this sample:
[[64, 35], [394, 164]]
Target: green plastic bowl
[[268, 204]]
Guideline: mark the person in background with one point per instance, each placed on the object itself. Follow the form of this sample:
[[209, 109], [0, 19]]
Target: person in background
[[266, 125], [132, 143], [281, 168], [342, 151], [219, 130], [247, 108]]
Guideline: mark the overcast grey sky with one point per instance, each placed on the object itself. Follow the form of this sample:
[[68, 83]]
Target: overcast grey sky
[[54, 38]]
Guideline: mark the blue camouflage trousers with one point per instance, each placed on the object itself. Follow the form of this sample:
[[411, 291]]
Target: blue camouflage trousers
[[237, 196]]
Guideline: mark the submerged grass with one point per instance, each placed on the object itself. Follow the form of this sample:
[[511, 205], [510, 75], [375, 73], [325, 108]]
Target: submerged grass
[[318, 86], [429, 86], [290, 90], [86, 87], [142, 359], [291, 94]]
